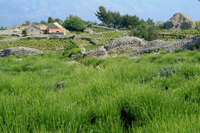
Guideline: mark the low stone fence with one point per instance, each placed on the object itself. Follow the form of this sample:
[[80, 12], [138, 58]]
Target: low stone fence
[[103, 27], [13, 39]]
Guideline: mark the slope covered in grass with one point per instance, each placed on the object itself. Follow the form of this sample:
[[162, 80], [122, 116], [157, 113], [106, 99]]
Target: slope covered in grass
[[150, 94]]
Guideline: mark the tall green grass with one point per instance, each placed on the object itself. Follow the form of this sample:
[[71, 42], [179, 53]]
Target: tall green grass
[[153, 95]]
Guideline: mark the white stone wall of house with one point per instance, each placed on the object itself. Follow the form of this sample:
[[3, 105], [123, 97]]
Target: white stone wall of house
[[32, 31]]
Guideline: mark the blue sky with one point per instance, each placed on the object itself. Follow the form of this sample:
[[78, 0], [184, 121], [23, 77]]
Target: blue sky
[[17, 11]]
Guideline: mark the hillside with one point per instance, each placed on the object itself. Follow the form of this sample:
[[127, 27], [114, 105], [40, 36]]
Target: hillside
[[47, 93]]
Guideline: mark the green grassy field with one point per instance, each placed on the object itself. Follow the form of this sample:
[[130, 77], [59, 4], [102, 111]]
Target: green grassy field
[[146, 94]]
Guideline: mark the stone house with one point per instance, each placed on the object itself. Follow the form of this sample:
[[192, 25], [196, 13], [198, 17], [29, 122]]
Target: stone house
[[32, 30], [56, 28]]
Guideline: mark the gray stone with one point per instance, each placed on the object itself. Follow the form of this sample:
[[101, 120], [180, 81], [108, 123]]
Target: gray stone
[[88, 31], [126, 43], [180, 21], [101, 51], [168, 46], [154, 54], [19, 51], [60, 85]]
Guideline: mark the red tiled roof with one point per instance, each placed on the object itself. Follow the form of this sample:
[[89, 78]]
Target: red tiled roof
[[44, 27], [28, 26], [57, 30]]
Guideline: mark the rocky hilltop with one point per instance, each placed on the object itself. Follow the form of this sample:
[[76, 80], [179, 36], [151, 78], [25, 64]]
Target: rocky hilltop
[[180, 21]]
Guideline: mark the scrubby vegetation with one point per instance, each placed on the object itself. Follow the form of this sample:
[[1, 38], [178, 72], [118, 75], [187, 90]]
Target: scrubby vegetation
[[149, 94]]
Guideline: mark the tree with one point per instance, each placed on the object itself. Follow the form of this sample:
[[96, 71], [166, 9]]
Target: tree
[[3, 28], [102, 14], [50, 20], [58, 20], [130, 21], [36, 23], [27, 22], [150, 22], [74, 24]]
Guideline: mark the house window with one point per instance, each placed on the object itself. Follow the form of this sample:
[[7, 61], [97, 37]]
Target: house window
[[32, 30]]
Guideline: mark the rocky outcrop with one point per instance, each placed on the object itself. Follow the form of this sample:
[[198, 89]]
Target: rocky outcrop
[[124, 44], [168, 46], [19, 51], [118, 45], [180, 21]]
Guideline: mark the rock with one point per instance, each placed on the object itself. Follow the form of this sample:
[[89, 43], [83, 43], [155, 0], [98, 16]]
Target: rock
[[27, 68], [138, 60], [180, 21], [168, 46], [89, 31], [75, 56], [19, 51], [125, 43], [19, 60], [154, 54], [60, 85], [101, 51], [72, 63], [82, 49]]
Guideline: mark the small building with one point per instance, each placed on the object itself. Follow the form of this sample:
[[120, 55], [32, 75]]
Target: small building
[[56, 28], [43, 29], [32, 30]]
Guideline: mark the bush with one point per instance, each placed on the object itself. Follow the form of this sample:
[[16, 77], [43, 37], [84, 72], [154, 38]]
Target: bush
[[149, 33], [178, 50], [71, 45], [74, 51], [89, 25], [74, 24]]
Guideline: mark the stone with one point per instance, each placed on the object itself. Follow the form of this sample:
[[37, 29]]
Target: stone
[[101, 51], [19, 51], [89, 31], [126, 43], [60, 85], [180, 21], [154, 54], [168, 46]]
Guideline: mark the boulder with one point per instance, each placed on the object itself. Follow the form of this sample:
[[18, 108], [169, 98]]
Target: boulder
[[180, 21], [19, 51], [125, 43], [168, 46], [101, 51], [88, 31]]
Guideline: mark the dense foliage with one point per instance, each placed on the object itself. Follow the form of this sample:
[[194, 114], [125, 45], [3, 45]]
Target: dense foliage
[[149, 33], [74, 24], [115, 19], [42, 93], [3, 28]]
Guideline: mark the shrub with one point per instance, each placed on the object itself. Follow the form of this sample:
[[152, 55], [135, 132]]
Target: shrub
[[68, 47], [74, 51], [89, 25], [74, 24], [147, 32], [178, 50]]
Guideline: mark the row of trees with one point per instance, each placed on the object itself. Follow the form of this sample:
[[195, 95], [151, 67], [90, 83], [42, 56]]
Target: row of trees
[[49, 20], [3, 28], [115, 19]]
